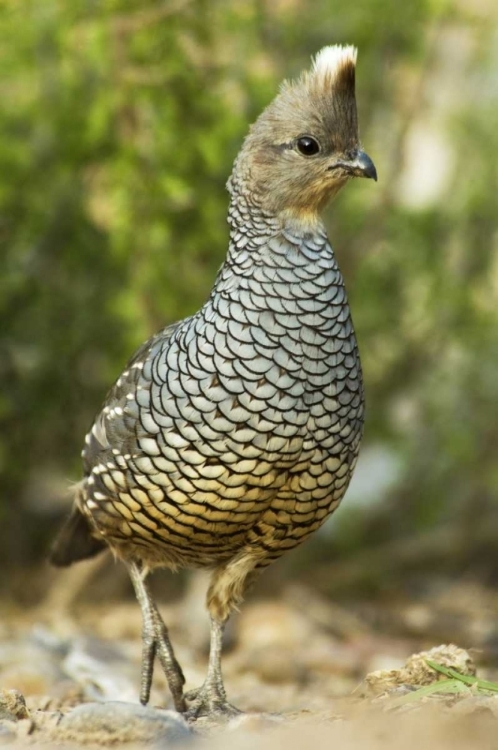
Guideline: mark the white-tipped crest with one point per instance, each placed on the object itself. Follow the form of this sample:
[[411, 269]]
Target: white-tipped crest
[[332, 59]]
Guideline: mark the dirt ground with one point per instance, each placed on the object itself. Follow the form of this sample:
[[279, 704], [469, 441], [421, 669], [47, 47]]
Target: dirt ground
[[303, 670]]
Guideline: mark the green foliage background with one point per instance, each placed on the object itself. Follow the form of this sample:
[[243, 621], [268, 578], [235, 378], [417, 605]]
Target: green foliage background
[[119, 123]]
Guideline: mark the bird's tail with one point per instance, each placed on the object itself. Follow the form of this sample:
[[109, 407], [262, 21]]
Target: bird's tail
[[75, 540]]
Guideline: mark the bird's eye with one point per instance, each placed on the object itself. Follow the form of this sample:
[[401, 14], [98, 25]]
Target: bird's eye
[[307, 145]]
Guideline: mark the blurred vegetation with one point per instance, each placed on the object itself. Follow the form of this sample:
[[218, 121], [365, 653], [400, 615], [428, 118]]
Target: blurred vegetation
[[119, 125]]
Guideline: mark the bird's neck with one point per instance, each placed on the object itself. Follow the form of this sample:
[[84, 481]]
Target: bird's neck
[[280, 274], [252, 222], [274, 253]]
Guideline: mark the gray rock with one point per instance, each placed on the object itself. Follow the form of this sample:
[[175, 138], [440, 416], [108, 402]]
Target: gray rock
[[116, 723]]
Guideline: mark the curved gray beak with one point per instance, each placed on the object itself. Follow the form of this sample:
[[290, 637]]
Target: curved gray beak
[[360, 166]]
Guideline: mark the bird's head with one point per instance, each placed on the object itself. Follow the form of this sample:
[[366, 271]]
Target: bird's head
[[305, 146]]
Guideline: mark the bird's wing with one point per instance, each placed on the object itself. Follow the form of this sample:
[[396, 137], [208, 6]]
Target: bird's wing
[[112, 429]]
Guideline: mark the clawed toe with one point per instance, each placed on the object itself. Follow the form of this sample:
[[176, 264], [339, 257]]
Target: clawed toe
[[155, 642], [205, 703], [191, 695], [209, 710]]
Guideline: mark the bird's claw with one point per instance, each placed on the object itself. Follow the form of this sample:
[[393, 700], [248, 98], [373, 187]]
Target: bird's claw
[[209, 702]]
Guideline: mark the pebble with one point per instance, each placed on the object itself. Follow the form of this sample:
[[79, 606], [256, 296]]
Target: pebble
[[117, 723], [417, 672], [12, 705]]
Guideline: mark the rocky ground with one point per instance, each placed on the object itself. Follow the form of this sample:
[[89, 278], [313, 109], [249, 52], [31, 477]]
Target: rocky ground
[[302, 669]]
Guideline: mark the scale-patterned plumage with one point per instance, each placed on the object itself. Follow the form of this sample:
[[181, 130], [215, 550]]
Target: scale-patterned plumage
[[233, 434]]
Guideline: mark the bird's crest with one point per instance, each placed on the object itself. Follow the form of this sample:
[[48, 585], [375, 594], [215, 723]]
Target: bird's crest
[[334, 67], [332, 73]]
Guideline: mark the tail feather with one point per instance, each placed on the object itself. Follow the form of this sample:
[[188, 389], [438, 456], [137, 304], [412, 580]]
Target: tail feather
[[75, 541]]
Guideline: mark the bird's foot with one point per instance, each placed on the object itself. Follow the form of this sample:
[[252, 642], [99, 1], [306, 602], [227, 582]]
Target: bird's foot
[[156, 642], [209, 701]]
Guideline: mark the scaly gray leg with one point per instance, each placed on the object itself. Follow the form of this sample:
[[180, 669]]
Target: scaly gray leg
[[211, 699], [155, 640]]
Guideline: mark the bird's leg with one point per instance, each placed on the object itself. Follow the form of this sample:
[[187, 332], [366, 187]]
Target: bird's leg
[[211, 699], [155, 640]]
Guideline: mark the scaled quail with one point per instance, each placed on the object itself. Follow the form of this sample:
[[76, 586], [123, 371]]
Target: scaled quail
[[232, 435]]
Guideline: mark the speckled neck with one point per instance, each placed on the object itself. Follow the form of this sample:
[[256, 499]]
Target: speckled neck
[[256, 230]]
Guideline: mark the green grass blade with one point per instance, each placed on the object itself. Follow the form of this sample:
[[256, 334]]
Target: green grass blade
[[480, 685], [450, 687]]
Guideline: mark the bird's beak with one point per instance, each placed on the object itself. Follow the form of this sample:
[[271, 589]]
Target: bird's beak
[[360, 166]]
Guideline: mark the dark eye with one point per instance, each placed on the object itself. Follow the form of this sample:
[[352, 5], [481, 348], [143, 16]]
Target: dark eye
[[307, 145]]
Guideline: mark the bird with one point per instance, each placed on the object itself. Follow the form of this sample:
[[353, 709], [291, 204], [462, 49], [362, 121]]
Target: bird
[[232, 435]]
